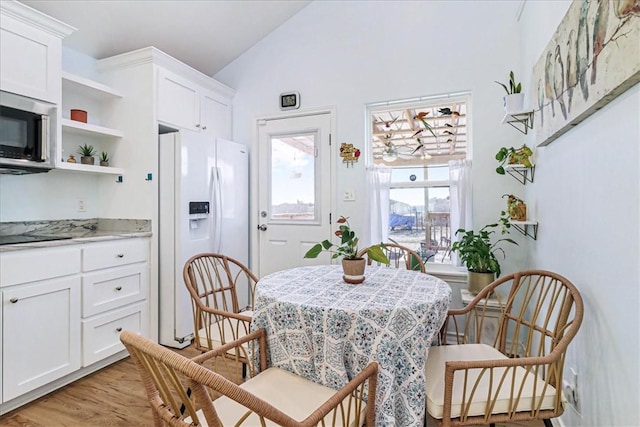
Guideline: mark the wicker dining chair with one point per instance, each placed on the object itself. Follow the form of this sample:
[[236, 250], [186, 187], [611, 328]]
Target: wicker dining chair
[[213, 281], [179, 390], [399, 257], [506, 368]]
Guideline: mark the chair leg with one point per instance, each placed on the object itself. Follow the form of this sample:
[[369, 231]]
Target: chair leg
[[547, 423]]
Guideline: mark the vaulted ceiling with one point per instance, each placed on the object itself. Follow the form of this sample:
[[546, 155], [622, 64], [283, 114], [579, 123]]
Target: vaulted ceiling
[[207, 35]]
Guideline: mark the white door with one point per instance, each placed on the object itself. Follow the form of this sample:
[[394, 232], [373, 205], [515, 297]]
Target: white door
[[295, 183]]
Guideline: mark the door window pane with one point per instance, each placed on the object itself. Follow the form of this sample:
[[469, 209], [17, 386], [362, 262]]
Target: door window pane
[[293, 178]]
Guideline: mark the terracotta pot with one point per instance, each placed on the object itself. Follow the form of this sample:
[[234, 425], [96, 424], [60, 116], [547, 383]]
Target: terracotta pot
[[478, 281], [79, 116], [353, 270], [87, 160]]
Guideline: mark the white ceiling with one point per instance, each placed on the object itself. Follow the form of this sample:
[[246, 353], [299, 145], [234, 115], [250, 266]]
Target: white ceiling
[[205, 34]]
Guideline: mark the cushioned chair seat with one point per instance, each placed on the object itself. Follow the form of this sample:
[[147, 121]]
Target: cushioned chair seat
[[439, 355], [229, 328], [284, 390]]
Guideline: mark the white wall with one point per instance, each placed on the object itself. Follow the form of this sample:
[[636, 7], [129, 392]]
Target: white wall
[[348, 54], [351, 53], [587, 199]]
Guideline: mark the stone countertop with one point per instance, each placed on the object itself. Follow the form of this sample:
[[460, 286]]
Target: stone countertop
[[75, 231]]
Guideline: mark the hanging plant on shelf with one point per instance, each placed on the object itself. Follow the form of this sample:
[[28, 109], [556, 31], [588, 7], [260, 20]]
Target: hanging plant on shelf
[[516, 211], [512, 156]]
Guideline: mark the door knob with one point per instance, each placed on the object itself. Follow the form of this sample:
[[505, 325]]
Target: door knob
[[262, 227]]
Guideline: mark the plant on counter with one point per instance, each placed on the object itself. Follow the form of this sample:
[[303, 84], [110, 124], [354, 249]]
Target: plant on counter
[[512, 156], [477, 251], [348, 247]]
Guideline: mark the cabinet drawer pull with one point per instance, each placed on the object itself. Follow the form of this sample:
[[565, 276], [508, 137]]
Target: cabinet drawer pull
[[204, 128], [197, 125], [118, 288], [120, 255], [118, 329], [14, 300]]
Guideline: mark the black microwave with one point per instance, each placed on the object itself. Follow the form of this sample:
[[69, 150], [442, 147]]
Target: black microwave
[[25, 134]]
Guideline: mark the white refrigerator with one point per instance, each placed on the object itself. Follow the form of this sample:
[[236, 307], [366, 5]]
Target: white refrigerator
[[204, 207]]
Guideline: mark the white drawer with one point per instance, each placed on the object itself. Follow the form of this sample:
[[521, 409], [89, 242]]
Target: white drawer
[[108, 289], [31, 265], [114, 253], [101, 334]]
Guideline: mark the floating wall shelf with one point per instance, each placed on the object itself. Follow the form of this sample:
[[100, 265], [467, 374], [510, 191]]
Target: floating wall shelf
[[527, 228], [521, 120], [520, 172], [94, 169]]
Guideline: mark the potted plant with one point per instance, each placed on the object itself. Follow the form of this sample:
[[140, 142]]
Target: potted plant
[[514, 100], [478, 253], [352, 265], [104, 159], [86, 152], [512, 156]]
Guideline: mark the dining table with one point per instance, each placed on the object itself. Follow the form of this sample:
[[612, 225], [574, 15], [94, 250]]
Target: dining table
[[326, 330]]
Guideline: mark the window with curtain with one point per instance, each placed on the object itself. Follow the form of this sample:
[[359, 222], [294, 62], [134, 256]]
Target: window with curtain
[[422, 145]]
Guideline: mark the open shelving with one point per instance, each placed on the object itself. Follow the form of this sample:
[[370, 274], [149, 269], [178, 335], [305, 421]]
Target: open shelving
[[98, 100], [527, 228], [520, 172], [520, 120]]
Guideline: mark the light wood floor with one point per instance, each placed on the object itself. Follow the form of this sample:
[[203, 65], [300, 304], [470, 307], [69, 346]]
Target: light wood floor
[[113, 396]]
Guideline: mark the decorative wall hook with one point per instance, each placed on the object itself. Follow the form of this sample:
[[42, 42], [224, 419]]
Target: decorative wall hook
[[349, 153]]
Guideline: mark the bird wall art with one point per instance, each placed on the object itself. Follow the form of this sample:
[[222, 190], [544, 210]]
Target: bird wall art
[[593, 57]]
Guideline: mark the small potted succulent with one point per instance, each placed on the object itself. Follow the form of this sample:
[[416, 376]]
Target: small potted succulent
[[514, 99], [87, 152], [478, 253], [352, 265], [512, 156], [104, 159]]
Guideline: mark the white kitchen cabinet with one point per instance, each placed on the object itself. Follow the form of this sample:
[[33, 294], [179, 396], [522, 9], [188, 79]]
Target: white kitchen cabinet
[[40, 291], [30, 52], [115, 286], [99, 101], [63, 309], [185, 104], [41, 334]]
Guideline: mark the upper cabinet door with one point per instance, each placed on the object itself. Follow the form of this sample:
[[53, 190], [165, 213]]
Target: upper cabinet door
[[178, 101], [30, 55], [215, 114]]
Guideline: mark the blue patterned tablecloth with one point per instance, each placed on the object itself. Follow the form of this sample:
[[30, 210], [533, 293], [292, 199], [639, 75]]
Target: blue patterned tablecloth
[[326, 330]]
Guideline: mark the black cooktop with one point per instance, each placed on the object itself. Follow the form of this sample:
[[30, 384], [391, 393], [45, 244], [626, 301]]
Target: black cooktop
[[25, 238]]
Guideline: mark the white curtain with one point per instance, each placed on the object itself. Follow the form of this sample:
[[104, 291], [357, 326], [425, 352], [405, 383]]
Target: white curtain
[[379, 184], [460, 198]]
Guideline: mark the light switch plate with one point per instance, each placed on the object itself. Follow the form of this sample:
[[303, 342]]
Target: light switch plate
[[349, 195]]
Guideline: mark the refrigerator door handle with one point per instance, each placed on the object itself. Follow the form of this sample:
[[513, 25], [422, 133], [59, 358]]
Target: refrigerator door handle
[[216, 189]]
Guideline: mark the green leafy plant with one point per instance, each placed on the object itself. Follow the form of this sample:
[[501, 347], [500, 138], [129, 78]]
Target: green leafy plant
[[104, 156], [348, 247], [477, 251], [521, 156], [86, 150], [516, 210], [513, 86]]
